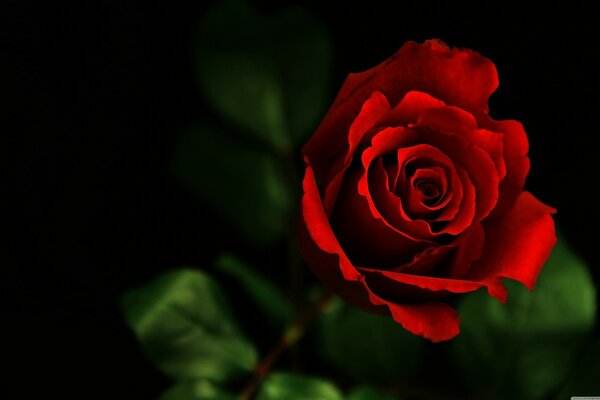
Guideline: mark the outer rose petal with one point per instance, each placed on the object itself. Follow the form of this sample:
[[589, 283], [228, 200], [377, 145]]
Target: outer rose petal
[[435, 321], [390, 280], [427, 261], [467, 248], [407, 111], [459, 77], [516, 147], [373, 109], [517, 245]]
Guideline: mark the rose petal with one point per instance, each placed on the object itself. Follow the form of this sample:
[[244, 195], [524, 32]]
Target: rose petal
[[364, 234], [374, 186], [450, 211], [394, 284], [454, 120], [460, 77], [435, 321], [468, 249], [476, 162], [518, 245], [408, 110], [385, 205], [318, 243], [425, 262], [448, 118], [466, 211], [516, 147], [388, 207], [424, 205], [373, 109], [422, 157], [390, 140], [388, 286]]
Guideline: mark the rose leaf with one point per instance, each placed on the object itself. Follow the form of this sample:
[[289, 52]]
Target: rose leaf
[[268, 74], [525, 348], [279, 386], [186, 328], [389, 354], [242, 183]]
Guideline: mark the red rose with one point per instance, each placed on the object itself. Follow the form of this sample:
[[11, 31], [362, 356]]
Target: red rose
[[412, 192]]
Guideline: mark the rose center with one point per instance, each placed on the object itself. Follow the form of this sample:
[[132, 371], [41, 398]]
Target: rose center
[[428, 185], [429, 190]]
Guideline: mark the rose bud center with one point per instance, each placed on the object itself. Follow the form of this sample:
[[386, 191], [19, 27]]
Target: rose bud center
[[429, 190]]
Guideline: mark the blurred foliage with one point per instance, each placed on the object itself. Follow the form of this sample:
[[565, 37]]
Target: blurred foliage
[[585, 377], [369, 393], [367, 346], [186, 328], [196, 390], [284, 386], [288, 386], [269, 74], [524, 349], [244, 184], [267, 296]]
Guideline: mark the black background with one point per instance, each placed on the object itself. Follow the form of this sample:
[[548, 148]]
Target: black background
[[96, 94]]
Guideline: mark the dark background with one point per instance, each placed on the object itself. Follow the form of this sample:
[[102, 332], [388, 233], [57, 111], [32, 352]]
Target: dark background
[[96, 94]]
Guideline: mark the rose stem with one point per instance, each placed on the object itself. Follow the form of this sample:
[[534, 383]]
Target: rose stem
[[290, 336]]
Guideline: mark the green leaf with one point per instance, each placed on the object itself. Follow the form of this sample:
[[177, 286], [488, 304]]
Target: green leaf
[[186, 328], [269, 74], [584, 380], [368, 393], [525, 348], [244, 184], [284, 386], [198, 390], [265, 293], [367, 346]]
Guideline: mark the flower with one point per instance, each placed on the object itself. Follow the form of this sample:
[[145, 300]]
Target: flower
[[413, 193]]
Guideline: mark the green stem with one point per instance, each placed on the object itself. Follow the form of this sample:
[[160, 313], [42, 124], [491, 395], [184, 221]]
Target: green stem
[[290, 336]]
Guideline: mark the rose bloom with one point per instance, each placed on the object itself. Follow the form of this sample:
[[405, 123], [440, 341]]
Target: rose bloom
[[412, 192]]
